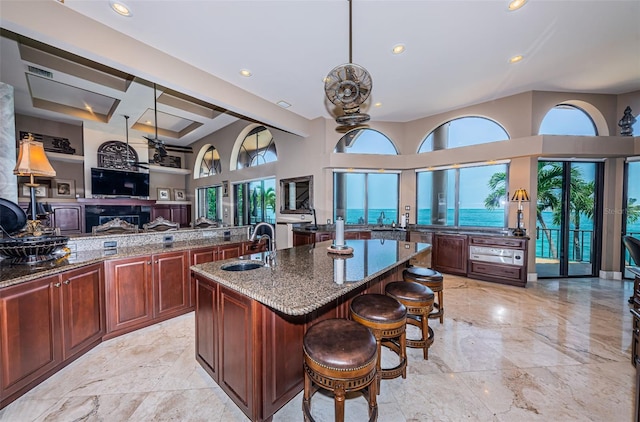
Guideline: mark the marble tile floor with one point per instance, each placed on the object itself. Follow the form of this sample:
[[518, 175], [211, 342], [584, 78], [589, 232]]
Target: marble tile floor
[[558, 350]]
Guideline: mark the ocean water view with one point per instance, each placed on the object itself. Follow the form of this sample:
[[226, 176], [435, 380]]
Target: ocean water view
[[480, 217]]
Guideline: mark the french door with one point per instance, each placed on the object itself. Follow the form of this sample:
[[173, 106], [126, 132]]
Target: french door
[[568, 223]]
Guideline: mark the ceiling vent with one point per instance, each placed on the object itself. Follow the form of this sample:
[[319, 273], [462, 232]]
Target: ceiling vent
[[40, 72]]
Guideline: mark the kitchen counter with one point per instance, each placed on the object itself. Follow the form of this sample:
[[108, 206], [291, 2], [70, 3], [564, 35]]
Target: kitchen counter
[[11, 274], [304, 278], [250, 325]]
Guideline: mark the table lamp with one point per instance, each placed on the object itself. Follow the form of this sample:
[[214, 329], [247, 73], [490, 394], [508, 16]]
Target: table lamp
[[521, 196], [32, 161]]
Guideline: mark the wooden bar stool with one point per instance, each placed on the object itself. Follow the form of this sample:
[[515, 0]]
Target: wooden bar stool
[[419, 302], [387, 319], [339, 356], [433, 280]]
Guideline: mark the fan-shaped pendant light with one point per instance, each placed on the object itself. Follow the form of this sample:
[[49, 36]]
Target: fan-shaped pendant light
[[348, 86]]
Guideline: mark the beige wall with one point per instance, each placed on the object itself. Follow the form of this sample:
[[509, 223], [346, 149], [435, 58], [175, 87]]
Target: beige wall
[[519, 114]]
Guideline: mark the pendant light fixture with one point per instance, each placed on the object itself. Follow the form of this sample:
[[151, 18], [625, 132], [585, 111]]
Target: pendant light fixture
[[348, 86]]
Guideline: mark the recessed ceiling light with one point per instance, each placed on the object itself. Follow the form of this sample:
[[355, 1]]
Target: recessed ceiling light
[[516, 4], [378, 104], [120, 8], [283, 104], [245, 72], [398, 49], [516, 59]]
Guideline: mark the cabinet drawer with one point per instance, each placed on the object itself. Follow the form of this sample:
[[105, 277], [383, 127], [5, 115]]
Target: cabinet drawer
[[493, 241], [503, 271]]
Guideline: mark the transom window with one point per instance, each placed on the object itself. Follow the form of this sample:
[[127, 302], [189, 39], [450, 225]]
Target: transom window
[[463, 131], [210, 163], [365, 141], [257, 148], [567, 119]]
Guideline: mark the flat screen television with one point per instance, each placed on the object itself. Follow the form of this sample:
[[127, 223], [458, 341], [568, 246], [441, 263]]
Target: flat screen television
[[108, 182]]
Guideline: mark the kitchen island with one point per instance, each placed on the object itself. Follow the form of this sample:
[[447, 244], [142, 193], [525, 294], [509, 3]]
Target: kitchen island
[[250, 324]]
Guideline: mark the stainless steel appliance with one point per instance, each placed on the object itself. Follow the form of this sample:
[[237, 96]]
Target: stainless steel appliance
[[497, 255]]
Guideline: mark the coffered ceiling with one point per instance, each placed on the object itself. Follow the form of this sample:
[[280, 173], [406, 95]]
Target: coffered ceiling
[[457, 53]]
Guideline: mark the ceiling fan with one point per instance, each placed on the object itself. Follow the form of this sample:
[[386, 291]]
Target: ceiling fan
[[160, 147], [348, 86], [130, 161]]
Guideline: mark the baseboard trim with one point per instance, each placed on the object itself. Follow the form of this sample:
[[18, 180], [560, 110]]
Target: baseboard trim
[[610, 275], [532, 276]]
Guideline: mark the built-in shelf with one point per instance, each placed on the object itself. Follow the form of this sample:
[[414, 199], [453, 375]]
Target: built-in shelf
[[173, 170], [67, 158]]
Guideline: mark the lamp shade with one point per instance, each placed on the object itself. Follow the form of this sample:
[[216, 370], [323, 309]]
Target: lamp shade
[[32, 160], [520, 195]]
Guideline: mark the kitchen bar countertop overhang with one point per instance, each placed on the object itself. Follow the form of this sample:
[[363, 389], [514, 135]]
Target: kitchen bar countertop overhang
[[307, 277]]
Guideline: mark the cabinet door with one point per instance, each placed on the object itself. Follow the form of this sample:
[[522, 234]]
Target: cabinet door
[[129, 295], [171, 282], [82, 309], [450, 253], [69, 218], [236, 343], [207, 326], [321, 237], [161, 211], [230, 251], [29, 332], [180, 214], [200, 256], [302, 238], [254, 247]]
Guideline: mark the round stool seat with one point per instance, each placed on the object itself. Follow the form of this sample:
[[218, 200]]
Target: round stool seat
[[340, 356], [418, 300], [387, 320], [431, 279], [424, 275], [378, 309], [339, 344], [409, 292]]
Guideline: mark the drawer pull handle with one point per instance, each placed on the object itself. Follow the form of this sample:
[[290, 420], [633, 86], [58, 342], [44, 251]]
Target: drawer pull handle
[[57, 284], [67, 282]]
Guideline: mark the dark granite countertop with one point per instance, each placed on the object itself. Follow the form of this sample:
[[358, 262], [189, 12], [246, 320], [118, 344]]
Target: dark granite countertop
[[11, 274], [305, 278]]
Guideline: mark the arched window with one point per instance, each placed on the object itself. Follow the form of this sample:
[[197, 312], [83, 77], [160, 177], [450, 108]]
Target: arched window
[[567, 119], [462, 132], [257, 148], [210, 163], [365, 141]]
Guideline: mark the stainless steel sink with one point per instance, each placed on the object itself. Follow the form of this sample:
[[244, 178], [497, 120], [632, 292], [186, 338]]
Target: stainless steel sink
[[242, 266]]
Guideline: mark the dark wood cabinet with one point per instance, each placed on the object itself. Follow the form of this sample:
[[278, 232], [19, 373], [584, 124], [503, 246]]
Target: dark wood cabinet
[[145, 290], [170, 284], [232, 250], [300, 238], [179, 213], [129, 294], [68, 217], [206, 304], [254, 247], [30, 338], [450, 253], [83, 317], [45, 323]]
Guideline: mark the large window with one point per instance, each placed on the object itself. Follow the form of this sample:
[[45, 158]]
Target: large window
[[632, 210], [366, 198], [365, 141], [472, 196], [462, 132], [565, 119], [257, 148], [255, 202], [207, 200]]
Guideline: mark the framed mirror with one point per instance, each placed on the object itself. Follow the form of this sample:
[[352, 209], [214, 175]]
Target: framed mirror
[[296, 195]]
